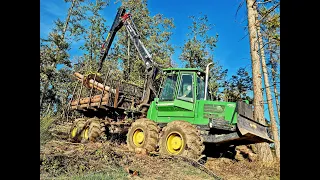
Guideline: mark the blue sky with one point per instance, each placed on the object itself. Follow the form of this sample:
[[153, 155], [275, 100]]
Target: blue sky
[[232, 50]]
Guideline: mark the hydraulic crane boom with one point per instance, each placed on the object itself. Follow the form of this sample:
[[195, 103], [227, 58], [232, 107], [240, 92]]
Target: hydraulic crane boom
[[123, 18], [116, 25]]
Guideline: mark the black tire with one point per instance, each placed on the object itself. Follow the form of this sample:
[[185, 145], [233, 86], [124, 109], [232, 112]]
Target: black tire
[[191, 140], [150, 131], [77, 126], [93, 130]]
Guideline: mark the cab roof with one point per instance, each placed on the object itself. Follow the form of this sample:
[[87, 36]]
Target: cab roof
[[168, 70]]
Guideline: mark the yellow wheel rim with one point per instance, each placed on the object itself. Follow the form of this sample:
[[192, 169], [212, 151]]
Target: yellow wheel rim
[[138, 137], [86, 133], [174, 143], [74, 132]]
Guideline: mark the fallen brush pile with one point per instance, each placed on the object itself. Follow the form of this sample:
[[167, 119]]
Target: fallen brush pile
[[59, 159]]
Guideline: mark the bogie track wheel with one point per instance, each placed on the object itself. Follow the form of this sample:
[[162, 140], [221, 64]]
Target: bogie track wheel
[[143, 133], [92, 130], [181, 138], [76, 129]]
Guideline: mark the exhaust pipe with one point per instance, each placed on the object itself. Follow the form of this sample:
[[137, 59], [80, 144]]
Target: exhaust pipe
[[206, 83]]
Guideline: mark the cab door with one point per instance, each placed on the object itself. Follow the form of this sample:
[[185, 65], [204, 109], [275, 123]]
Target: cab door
[[172, 104], [164, 104]]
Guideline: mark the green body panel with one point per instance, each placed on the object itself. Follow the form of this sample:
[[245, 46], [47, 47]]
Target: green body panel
[[152, 111], [216, 110], [194, 111], [165, 112]]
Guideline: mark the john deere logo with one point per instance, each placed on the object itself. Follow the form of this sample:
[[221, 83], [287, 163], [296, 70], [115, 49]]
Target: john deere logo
[[253, 126], [231, 105]]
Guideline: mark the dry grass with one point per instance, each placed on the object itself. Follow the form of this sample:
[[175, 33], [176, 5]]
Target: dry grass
[[45, 123], [164, 168], [60, 159], [233, 170], [64, 160]]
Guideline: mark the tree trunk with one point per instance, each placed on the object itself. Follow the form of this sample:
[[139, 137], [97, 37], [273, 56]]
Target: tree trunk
[[68, 19], [264, 150], [276, 95], [91, 44], [269, 96], [43, 92], [273, 72], [129, 68]]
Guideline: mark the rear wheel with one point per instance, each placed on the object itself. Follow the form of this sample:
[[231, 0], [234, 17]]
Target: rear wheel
[[181, 138], [143, 133], [93, 130], [76, 129]]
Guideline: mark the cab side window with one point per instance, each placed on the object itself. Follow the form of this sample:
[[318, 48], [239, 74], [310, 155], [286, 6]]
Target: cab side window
[[186, 88], [169, 85]]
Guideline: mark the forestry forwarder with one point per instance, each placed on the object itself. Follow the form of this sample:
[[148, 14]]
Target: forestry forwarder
[[179, 119]]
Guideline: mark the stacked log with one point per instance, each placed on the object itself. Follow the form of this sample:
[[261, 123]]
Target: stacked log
[[94, 99], [91, 83]]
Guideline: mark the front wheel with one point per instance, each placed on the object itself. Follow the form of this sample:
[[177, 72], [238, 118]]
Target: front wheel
[[181, 138], [143, 133]]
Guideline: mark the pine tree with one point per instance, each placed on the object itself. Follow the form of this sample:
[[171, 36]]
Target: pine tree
[[264, 150], [238, 86], [198, 48], [155, 33], [54, 51], [270, 24], [197, 52]]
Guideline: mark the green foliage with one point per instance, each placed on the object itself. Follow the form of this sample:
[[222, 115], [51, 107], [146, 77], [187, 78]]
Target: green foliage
[[155, 33], [45, 123], [270, 30], [216, 82], [238, 86], [270, 25], [197, 50], [93, 33], [53, 52]]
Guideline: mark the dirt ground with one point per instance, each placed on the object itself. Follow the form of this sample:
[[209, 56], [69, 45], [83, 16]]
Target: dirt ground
[[61, 159]]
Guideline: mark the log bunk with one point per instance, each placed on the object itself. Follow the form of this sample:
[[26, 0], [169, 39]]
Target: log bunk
[[102, 100]]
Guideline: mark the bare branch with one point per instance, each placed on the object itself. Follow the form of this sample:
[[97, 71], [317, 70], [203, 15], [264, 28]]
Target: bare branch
[[269, 11], [264, 2], [244, 36], [264, 45], [240, 5]]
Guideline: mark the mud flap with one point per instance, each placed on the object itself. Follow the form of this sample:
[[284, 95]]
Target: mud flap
[[250, 129]]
